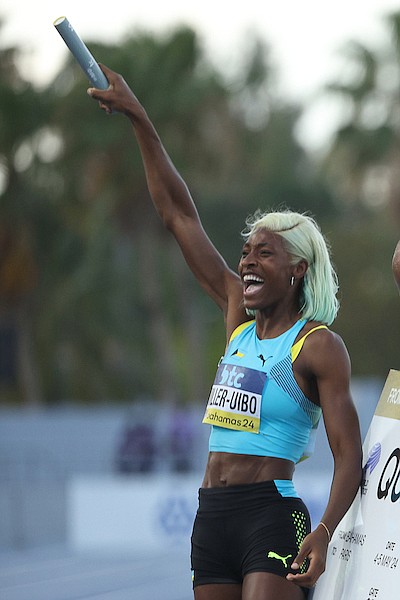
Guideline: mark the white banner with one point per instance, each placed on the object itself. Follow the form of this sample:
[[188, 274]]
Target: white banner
[[363, 556], [148, 512]]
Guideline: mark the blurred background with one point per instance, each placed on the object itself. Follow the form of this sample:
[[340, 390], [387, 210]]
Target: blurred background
[[107, 346]]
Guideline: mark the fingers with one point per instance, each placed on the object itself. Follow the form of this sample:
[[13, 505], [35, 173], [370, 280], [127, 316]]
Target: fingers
[[118, 97], [106, 108], [101, 97], [97, 93], [305, 579], [103, 105], [107, 72], [308, 578], [300, 558], [314, 550]]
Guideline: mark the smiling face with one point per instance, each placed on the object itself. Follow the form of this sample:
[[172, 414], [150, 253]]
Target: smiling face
[[266, 271]]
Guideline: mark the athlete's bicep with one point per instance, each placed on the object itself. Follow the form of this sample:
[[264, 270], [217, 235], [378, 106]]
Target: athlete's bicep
[[332, 368]]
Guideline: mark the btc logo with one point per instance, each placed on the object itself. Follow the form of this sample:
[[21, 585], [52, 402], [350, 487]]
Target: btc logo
[[231, 376]]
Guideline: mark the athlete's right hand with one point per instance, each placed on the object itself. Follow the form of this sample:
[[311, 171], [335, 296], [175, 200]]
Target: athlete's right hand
[[118, 97]]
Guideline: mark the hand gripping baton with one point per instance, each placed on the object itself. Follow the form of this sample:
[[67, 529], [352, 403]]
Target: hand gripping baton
[[81, 53]]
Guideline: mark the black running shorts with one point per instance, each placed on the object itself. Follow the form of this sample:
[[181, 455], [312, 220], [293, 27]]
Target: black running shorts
[[246, 528]]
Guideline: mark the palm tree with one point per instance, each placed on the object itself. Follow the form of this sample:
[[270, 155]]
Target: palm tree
[[363, 160], [20, 201], [115, 291], [362, 167]]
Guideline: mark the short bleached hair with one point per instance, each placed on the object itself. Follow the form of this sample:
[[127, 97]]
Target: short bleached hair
[[303, 240]]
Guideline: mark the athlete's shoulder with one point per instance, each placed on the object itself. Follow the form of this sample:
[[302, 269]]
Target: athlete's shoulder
[[316, 338], [319, 330], [324, 349]]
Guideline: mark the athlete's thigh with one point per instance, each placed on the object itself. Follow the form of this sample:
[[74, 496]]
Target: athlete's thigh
[[218, 591], [268, 586]]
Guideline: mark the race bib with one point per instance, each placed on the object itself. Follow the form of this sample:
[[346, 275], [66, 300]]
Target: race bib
[[235, 398]]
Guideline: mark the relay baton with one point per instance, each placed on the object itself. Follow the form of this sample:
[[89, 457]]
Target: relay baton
[[81, 53]]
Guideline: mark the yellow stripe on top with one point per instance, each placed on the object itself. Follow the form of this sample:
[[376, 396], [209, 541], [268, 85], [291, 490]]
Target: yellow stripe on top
[[239, 329], [296, 348]]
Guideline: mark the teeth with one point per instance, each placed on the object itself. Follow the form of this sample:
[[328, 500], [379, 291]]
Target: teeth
[[253, 278]]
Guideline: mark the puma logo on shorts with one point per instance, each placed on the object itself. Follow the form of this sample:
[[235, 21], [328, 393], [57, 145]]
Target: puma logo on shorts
[[284, 559]]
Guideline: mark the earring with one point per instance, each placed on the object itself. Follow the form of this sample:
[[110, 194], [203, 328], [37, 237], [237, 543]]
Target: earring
[[292, 280]]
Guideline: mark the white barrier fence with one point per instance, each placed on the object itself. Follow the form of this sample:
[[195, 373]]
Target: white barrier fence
[[148, 512]]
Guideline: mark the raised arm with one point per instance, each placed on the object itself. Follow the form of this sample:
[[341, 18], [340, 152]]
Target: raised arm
[[174, 203], [328, 362]]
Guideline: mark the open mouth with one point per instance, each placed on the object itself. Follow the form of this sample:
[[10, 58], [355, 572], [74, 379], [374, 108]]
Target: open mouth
[[252, 283]]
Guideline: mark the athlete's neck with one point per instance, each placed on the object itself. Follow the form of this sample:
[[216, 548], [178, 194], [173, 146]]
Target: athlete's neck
[[270, 327]]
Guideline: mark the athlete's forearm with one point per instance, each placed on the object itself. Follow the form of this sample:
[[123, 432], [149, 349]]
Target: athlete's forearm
[[345, 486], [167, 188]]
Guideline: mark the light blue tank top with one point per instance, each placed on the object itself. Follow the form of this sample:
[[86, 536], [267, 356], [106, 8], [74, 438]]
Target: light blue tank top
[[255, 406]]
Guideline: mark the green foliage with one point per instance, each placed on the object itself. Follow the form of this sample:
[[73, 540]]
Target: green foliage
[[369, 316], [365, 147], [101, 301]]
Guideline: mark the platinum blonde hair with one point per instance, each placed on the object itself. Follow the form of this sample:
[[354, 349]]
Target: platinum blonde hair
[[303, 240]]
